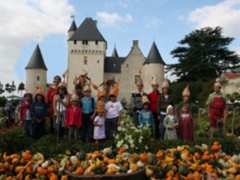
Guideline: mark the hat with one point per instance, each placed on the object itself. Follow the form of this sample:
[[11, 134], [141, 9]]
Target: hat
[[169, 108], [217, 83], [74, 97], [165, 84], [145, 100], [115, 90], [154, 81], [100, 107], [186, 92]]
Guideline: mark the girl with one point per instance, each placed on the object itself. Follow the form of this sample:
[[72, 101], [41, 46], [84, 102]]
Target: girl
[[39, 113], [25, 114], [73, 119], [170, 124], [99, 127]]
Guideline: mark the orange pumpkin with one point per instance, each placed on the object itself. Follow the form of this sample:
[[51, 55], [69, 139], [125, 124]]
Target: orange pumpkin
[[79, 171], [121, 150], [65, 177], [26, 155], [53, 176], [111, 161], [19, 169], [50, 169], [28, 177], [160, 155], [143, 157], [41, 171]]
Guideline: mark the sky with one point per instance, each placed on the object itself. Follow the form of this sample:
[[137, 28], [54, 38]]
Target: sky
[[24, 23]]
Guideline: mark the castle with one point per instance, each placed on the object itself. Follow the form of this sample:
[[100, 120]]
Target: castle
[[87, 53]]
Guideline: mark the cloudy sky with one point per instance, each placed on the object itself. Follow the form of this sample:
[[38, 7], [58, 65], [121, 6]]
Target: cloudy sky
[[24, 23]]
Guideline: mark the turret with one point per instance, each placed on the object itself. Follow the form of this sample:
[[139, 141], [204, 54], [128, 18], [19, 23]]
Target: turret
[[72, 29], [36, 71]]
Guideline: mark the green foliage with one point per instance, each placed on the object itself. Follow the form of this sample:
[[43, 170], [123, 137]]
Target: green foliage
[[3, 101], [203, 55]]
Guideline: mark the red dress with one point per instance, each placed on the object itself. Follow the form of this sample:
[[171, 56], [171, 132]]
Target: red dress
[[153, 98], [73, 116], [24, 106], [186, 127], [52, 91], [216, 110]]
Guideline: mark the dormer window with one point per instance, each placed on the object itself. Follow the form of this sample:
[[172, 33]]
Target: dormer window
[[75, 41], [85, 42], [96, 42]]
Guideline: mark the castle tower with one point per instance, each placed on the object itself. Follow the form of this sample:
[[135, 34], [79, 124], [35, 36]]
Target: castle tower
[[153, 68], [36, 72], [72, 29], [86, 53]]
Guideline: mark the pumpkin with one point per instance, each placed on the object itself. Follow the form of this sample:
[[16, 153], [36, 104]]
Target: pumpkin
[[216, 146], [64, 177], [19, 169], [111, 161], [79, 171], [53, 176], [26, 155], [160, 155], [133, 167], [28, 177], [143, 157], [41, 171]]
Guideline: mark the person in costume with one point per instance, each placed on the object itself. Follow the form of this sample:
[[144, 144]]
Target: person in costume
[[153, 98], [136, 100], [164, 101], [88, 107], [52, 91], [60, 104], [39, 114], [145, 116], [170, 124], [113, 109], [25, 113], [73, 120], [184, 117], [216, 109], [80, 82]]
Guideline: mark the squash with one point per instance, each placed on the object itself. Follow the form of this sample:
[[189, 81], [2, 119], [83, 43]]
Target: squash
[[26, 155], [41, 171], [160, 155], [79, 171], [133, 167], [143, 157], [19, 169], [53, 176], [111, 161], [64, 177], [28, 177]]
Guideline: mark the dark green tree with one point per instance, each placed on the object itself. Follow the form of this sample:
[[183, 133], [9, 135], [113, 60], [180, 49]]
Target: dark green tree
[[203, 55], [21, 87]]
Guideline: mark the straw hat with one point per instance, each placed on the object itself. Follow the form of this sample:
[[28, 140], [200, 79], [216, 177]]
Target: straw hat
[[186, 92], [165, 84]]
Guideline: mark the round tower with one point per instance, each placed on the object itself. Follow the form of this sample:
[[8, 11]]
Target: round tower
[[153, 68], [36, 72], [72, 29]]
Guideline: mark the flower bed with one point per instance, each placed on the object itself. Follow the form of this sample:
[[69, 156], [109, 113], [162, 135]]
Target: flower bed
[[183, 162]]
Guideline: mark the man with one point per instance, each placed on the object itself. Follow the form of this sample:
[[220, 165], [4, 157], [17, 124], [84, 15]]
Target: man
[[163, 102], [52, 91], [217, 110], [153, 98], [136, 100]]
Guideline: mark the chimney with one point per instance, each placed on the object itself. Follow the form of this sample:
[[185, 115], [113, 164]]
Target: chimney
[[135, 43]]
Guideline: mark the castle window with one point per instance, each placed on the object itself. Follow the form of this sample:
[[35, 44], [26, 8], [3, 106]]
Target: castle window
[[75, 41], [38, 78], [84, 42], [98, 61], [85, 60], [96, 42], [126, 65]]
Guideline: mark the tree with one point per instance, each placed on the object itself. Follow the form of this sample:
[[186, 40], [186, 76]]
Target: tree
[[1, 88], [21, 87], [10, 87], [203, 55]]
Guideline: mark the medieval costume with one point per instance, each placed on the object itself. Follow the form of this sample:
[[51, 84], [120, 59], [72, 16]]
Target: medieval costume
[[153, 98], [184, 115], [163, 102], [52, 91], [136, 100], [113, 109], [170, 123], [80, 82], [73, 120], [216, 107]]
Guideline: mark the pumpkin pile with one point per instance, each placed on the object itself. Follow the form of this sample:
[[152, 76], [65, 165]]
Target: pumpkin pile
[[183, 162]]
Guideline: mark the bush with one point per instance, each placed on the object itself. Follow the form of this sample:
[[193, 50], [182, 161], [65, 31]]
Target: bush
[[3, 101]]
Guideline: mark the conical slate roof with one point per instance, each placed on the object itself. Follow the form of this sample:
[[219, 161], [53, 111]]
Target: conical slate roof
[[73, 26], [115, 53], [154, 56], [36, 61], [87, 31]]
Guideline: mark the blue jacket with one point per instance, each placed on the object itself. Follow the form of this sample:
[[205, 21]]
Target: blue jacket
[[145, 117]]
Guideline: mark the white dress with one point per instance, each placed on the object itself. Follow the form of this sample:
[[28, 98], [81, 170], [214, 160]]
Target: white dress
[[99, 128]]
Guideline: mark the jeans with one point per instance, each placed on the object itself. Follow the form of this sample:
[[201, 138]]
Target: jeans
[[87, 127], [73, 132], [28, 127], [111, 127]]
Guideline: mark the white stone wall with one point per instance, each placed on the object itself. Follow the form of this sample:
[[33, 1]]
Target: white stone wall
[[115, 76], [130, 68], [34, 78], [93, 54], [151, 71]]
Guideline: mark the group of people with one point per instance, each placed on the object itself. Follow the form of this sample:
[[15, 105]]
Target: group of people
[[80, 115], [171, 121]]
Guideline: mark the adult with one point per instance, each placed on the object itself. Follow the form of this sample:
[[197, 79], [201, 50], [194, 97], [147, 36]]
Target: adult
[[153, 98], [88, 108], [52, 91], [60, 103], [39, 114], [184, 117], [216, 109], [163, 102], [136, 100]]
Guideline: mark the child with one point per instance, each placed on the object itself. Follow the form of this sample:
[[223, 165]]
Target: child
[[73, 119], [113, 109], [185, 124], [39, 113], [25, 114], [145, 116], [170, 124], [99, 127]]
